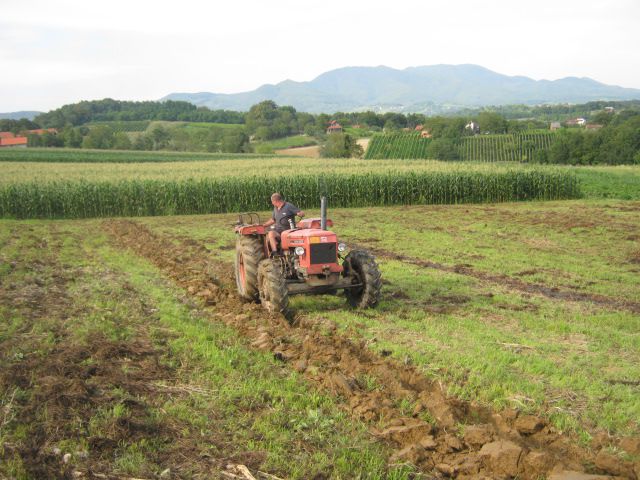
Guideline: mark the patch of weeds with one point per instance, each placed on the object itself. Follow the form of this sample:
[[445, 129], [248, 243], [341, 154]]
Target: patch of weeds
[[13, 467], [132, 459], [427, 417], [406, 407], [367, 382]]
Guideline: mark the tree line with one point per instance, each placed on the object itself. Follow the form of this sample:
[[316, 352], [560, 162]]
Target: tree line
[[116, 110], [616, 142]]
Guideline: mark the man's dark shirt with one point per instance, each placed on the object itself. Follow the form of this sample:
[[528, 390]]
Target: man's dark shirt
[[282, 216]]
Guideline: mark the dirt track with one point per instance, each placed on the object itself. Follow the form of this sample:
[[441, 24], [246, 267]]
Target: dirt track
[[493, 445]]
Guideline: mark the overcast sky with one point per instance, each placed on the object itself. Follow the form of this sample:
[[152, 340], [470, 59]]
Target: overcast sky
[[53, 53]]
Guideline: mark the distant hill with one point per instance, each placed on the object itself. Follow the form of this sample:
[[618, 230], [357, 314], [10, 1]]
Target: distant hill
[[427, 89], [19, 115]]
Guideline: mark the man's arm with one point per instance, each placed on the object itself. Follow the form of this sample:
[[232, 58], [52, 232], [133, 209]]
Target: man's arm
[[269, 222], [297, 211]]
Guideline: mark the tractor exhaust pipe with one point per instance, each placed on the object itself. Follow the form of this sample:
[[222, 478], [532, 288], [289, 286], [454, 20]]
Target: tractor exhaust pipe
[[323, 213]]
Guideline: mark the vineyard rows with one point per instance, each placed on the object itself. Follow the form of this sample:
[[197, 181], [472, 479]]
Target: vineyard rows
[[519, 147], [123, 126], [397, 145]]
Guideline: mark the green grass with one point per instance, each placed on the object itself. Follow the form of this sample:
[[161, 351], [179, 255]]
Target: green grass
[[358, 132], [123, 126], [70, 156], [287, 142], [621, 182], [485, 341], [207, 125]]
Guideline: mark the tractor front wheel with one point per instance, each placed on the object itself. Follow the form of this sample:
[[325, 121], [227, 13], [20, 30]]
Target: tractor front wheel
[[362, 268], [272, 287], [249, 252]]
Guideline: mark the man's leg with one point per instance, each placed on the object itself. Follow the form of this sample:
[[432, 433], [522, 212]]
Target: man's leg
[[273, 240]]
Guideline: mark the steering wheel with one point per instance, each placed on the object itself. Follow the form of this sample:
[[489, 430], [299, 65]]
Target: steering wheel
[[284, 221]]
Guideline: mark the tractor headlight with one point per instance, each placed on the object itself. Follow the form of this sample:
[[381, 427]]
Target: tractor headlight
[[342, 247], [299, 251]]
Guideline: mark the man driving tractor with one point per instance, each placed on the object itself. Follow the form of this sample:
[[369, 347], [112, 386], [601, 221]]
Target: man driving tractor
[[282, 219]]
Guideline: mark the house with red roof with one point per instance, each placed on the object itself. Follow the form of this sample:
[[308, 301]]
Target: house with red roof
[[13, 142], [41, 131], [334, 127]]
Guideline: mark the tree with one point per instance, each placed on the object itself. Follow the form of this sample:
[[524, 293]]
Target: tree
[[235, 142], [100, 137], [341, 145], [72, 137], [121, 141], [491, 122], [443, 149], [160, 137]]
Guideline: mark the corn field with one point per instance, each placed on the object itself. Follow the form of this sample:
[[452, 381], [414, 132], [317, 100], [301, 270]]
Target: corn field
[[85, 199]]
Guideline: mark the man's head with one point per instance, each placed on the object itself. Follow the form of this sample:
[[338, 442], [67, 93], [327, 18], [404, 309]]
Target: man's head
[[277, 200]]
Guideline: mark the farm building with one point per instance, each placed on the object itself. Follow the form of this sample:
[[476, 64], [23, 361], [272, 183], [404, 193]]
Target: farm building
[[555, 126], [576, 122], [593, 126], [7, 135], [473, 126], [13, 142], [334, 127], [41, 131]]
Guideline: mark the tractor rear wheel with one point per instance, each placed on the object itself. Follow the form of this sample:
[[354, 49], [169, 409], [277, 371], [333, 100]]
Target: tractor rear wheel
[[363, 269], [249, 252], [272, 287]]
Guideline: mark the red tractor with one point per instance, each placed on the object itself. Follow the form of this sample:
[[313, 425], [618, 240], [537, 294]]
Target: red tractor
[[309, 260]]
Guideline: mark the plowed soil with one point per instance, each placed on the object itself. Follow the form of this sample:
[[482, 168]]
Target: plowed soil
[[443, 437]]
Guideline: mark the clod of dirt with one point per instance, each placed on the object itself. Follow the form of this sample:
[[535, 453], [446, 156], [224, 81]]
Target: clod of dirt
[[454, 444], [477, 435], [536, 463], [631, 445], [613, 464], [572, 475], [412, 433], [412, 453], [428, 443], [528, 424], [502, 457], [446, 469], [342, 385]]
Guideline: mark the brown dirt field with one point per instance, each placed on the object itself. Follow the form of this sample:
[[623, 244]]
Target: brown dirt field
[[494, 444], [311, 152], [364, 143]]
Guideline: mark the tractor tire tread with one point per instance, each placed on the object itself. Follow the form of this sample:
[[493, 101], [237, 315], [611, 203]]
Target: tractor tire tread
[[278, 292], [369, 296], [252, 251]]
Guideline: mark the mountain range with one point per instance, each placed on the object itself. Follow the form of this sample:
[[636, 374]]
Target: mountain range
[[29, 115], [427, 89]]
